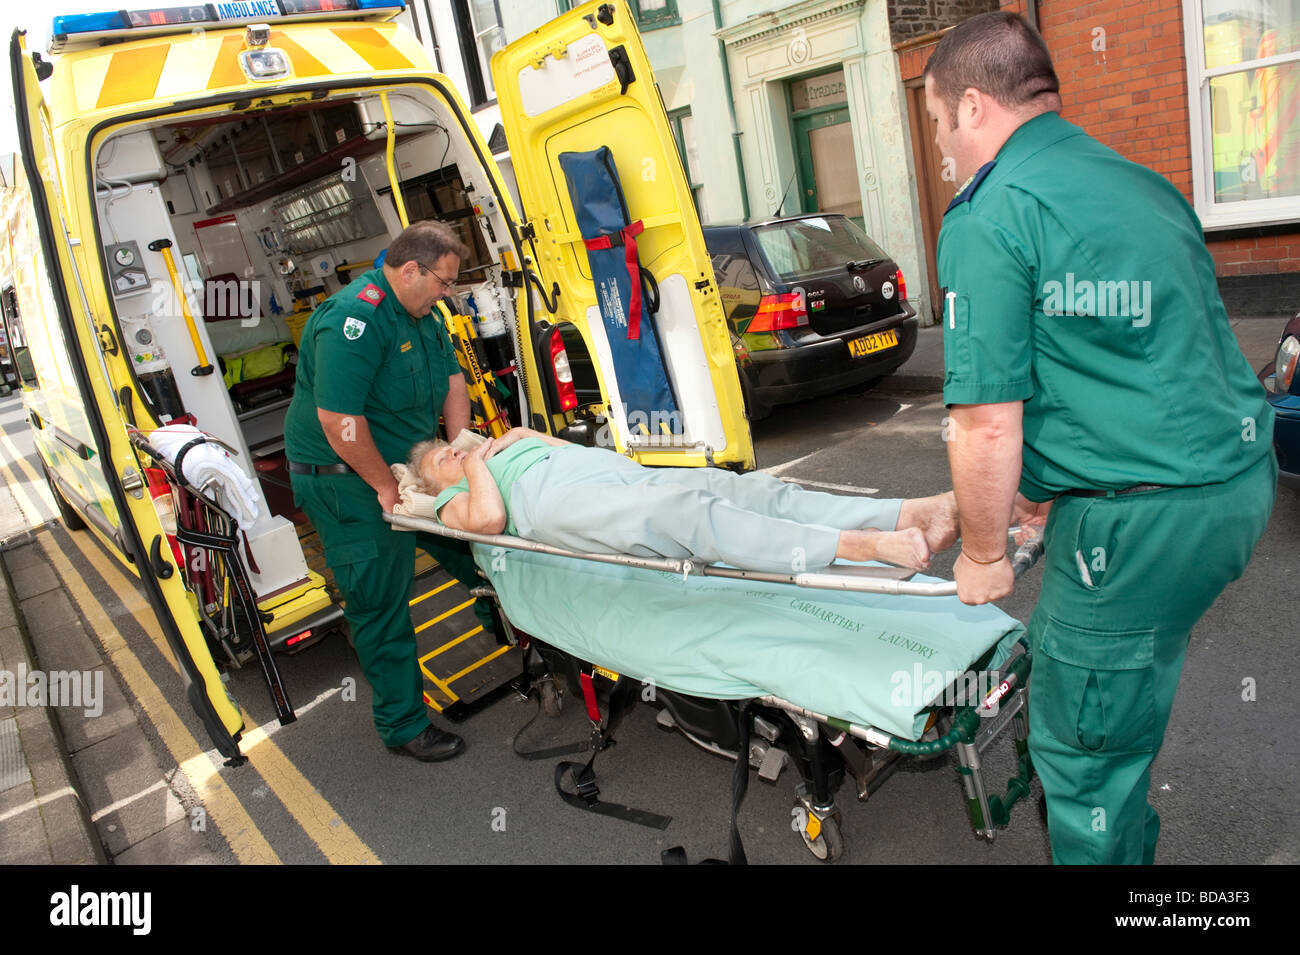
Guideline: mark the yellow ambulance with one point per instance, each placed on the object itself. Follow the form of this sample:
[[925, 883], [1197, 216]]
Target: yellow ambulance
[[192, 181]]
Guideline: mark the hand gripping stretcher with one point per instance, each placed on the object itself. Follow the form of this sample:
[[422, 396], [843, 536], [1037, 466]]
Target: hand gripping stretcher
[[851, 668]]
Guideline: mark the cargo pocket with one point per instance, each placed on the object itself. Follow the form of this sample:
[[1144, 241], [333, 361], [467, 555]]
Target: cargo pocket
[[1097, 689], [347, 562]]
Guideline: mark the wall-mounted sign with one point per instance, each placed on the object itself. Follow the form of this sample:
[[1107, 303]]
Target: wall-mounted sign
[[813, 92]]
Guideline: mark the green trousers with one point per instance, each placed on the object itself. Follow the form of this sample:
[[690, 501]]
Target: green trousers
[[1124, 581], [373, 566]]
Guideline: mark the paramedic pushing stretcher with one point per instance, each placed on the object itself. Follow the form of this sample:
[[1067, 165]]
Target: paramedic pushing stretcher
[[1090, 369], [375, 370], [534, 486]]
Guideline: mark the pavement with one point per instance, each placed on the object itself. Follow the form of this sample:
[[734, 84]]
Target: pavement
[[79, 783]]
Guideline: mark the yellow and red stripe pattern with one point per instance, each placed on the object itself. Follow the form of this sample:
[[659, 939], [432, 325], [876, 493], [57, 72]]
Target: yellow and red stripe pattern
[[206, 61]]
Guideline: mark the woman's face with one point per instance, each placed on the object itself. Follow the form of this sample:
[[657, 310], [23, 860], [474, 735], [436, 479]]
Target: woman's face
[[442, 467]]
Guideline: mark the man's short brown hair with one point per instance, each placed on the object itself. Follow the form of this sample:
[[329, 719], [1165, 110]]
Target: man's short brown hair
[[425, 243], [997, 53]]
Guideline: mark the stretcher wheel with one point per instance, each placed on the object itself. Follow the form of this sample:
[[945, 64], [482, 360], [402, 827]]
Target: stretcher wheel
[[829, 842], [552, 701]]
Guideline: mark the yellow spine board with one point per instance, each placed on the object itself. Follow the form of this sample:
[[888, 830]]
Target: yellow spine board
[[485, 413]]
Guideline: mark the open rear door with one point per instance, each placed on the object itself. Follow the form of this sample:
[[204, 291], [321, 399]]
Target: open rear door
[[615, 227], [162, 585]]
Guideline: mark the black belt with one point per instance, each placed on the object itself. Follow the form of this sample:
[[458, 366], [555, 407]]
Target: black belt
[[296, 468], [1081, 492]]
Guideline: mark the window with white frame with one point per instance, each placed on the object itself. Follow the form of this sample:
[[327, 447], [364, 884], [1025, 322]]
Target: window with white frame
[[1244, 65]]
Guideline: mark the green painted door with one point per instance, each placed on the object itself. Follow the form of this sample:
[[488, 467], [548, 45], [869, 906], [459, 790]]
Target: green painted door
[[823, 145]]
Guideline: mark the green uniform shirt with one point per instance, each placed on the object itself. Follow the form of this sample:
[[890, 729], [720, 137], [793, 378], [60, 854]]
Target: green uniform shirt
[[506, 467], [1079, 283], [363, 354]]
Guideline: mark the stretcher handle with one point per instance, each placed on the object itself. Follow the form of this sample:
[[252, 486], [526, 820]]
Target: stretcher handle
[[873, 580]]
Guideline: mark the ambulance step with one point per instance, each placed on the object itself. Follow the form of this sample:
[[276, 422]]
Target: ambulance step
[[464, 666]]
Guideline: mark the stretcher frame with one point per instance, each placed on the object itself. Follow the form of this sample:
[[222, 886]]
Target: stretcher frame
[[971, 731]]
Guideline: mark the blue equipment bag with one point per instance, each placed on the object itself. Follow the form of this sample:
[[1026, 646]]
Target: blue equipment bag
[[626, 292]]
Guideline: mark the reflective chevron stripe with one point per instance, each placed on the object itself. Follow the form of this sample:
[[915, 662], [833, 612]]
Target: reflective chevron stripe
[[207, 60]]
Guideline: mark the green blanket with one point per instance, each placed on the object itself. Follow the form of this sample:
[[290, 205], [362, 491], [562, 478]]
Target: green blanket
[[873, 659]]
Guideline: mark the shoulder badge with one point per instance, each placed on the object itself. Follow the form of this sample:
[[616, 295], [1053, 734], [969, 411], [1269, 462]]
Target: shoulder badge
[[353, 327], [970, 185], [371, 293]]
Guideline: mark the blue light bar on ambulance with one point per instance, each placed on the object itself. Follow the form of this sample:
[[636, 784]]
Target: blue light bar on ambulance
[[128, 24]]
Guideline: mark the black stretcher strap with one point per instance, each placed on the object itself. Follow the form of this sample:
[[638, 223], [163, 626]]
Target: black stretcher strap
[[586, 794], [228, 544], [584, 780], [739, 786], [564, 750]]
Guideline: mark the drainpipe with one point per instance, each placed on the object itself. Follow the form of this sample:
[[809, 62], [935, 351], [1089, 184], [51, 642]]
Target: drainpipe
[[731, 110], [433, 37]]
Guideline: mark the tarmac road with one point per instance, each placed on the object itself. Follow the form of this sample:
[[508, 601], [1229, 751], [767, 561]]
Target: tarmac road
[[1227, 783]]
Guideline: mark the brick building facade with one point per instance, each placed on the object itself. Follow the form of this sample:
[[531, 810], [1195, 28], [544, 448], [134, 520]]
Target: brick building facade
[[1125, 78]]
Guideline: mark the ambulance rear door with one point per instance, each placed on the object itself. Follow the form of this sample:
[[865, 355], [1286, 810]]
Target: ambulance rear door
[[569, 91], [108, 443]]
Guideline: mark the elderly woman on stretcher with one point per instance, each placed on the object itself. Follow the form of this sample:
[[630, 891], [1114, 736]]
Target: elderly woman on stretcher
[[540, 488]]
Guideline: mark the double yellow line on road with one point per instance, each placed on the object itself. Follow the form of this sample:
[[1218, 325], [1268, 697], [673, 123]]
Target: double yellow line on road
[[335, 839]]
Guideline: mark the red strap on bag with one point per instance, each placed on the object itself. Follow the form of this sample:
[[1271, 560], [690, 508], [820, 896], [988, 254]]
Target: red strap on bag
[[627, 235]]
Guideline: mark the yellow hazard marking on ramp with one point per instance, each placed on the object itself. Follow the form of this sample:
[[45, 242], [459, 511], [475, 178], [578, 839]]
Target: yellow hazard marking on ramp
[[435, 590], [451, 643], [474, 666], [426, 625]]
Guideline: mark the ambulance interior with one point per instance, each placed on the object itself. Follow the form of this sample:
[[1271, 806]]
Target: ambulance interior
[[268, 213]]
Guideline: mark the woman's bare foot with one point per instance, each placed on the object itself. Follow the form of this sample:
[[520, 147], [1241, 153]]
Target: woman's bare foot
[[936, 517], [906, 548]]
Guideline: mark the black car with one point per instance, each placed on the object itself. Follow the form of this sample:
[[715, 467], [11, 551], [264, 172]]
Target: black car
[[814, 306]]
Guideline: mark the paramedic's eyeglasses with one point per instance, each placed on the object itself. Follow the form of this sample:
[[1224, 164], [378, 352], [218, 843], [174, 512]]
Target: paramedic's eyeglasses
[[446, 285]]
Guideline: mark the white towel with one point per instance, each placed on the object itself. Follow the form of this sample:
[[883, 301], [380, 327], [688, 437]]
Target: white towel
[[237, 493], [413, 501]]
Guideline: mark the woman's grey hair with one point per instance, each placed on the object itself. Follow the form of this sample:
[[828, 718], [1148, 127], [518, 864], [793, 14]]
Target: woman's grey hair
[[416, 458]]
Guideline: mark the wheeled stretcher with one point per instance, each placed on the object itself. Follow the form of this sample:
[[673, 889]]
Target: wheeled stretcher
[[849, 669]]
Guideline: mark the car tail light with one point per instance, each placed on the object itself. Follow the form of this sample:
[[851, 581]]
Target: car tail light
[[305, 635], [563, 375], [902, 285], [1284, 366], [776, 312]]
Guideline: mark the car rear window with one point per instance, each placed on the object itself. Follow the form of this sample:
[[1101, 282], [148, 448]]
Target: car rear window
[[802, 246]]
